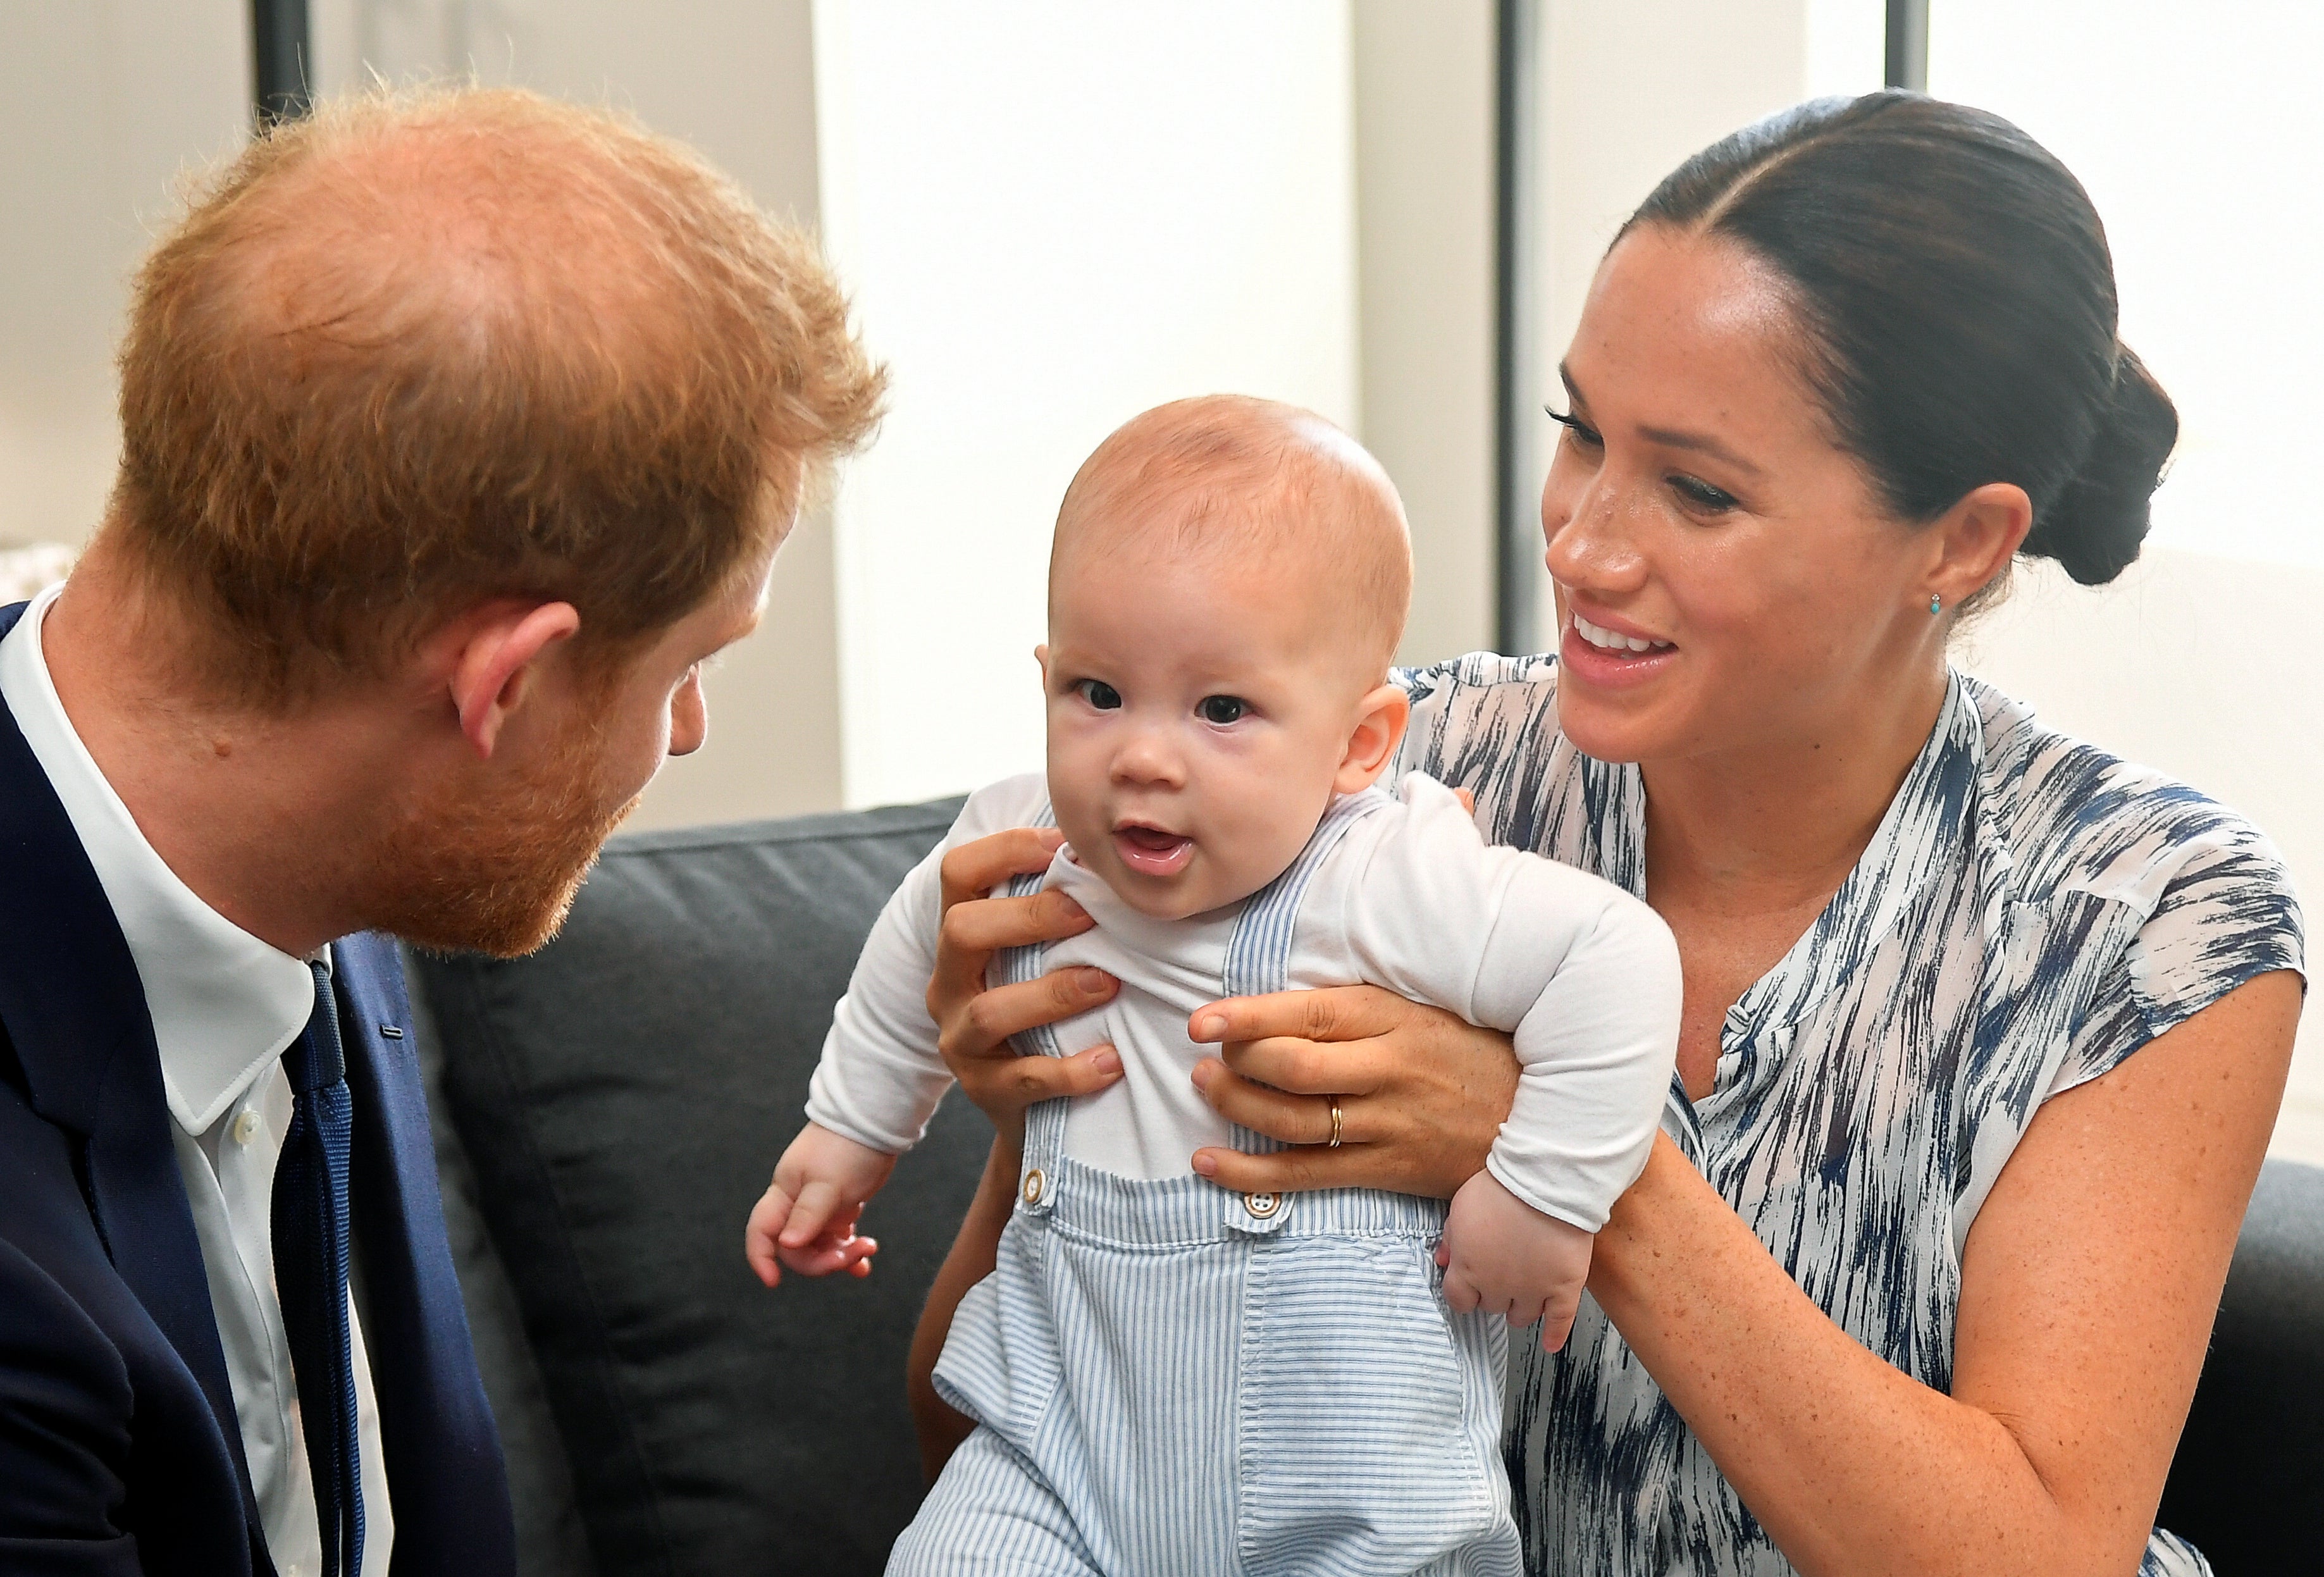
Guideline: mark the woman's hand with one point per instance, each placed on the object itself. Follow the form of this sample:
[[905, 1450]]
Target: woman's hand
[[1422, 1093], [973, 1024]]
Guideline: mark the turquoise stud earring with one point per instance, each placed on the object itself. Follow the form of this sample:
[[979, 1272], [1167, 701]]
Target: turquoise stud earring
[[1936, 604]]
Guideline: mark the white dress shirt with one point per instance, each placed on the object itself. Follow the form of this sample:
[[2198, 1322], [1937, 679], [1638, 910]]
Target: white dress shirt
[[224, 1006]]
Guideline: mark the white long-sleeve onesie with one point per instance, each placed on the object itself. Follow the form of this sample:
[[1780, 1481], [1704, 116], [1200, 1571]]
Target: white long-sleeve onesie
[[1411, 897]]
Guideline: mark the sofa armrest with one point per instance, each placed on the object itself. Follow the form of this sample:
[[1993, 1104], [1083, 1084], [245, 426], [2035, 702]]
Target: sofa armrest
[[2243, 1486]]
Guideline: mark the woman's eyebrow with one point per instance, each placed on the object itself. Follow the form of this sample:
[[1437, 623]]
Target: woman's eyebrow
[[1668, 438], [1700, 443]]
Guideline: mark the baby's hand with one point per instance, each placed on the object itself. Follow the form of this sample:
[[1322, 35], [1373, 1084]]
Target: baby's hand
[[1501, 1255], [807, 1218]]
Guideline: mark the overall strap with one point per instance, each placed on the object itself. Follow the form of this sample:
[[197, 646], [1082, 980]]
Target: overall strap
[[1258, 953], [1045, 1124]]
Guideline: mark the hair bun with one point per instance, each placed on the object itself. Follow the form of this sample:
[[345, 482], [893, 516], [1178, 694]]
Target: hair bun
[[2098, 524]]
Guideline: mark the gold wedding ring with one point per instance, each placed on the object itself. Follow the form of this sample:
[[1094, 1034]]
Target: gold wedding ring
[[1335, 1124]]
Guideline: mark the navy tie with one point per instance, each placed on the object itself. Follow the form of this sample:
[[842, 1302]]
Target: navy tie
[[310, 1274]]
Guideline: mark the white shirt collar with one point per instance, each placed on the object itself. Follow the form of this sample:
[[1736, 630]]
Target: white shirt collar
[[224, 1003]]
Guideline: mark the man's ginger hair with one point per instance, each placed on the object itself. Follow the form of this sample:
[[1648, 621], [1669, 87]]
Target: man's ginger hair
[[422, 350]]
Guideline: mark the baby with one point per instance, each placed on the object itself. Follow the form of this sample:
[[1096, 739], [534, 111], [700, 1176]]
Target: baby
[[1166, 1376]]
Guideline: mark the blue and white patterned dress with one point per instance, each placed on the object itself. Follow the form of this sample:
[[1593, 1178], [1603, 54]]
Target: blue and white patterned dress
[[2029, 912]]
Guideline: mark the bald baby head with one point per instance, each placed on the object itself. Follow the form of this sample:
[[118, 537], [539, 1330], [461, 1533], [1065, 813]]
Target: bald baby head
[[1251, 487]]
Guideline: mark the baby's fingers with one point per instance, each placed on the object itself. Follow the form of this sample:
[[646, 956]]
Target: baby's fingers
[[760, 1236], [827, 1255], [1557, 1323], [1460, 1292], [809, 1214]]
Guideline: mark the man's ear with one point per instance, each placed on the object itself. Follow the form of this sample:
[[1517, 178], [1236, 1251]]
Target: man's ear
[[498, 663], [1381, 717], [1975, 538]]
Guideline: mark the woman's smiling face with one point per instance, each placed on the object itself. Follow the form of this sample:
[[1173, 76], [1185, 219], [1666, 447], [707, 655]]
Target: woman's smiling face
[[1727, 577]]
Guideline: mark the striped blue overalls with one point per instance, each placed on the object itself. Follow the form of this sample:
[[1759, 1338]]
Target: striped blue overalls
[[1172, 1378]]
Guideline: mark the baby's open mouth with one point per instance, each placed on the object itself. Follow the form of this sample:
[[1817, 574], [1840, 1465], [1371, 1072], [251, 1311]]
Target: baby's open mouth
[[1151, 852]]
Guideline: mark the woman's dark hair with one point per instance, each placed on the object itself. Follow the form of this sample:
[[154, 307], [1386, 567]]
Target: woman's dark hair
[[1957, 298]]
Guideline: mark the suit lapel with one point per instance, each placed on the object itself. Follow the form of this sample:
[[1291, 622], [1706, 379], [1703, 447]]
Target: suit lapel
[[76, 1011], [446, 1477]]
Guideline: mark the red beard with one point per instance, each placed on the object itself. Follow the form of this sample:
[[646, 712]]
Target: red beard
[[495, 871]]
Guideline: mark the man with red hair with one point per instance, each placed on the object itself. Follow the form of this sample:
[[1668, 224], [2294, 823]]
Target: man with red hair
[[458, 428]]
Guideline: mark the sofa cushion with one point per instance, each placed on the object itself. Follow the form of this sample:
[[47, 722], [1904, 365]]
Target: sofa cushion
[[550, 1539], [622, 1095], [2243, 1485]]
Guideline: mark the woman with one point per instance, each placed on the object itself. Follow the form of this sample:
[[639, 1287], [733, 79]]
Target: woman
[[1984, 1029]]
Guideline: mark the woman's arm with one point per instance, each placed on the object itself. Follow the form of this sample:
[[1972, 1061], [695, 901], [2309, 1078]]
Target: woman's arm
[[939, 1427], [973, 1029], [2088, 1286]]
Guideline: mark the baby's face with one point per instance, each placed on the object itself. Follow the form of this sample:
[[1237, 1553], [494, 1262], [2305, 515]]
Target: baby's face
[[1198, 716]]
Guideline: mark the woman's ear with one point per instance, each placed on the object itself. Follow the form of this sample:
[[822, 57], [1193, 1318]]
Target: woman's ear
[[1975, 540], [1380, 718]]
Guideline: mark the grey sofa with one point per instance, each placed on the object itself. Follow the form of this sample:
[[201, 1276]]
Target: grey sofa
[[608, 1110]]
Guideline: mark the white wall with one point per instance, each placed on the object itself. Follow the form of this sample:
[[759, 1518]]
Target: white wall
[[1423, 92], [2211, 207], [102, 104], [1055, 216]]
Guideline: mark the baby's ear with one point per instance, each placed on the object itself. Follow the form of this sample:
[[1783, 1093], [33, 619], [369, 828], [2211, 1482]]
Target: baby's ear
[[1041, 656], [1381, 719]]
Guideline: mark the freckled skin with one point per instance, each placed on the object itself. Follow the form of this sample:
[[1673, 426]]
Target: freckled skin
[[1796, 609]]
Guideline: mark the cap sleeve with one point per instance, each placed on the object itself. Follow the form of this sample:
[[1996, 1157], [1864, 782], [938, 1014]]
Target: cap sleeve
[[2226, 915]]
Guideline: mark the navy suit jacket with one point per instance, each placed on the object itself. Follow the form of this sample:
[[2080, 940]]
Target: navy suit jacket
[[119, 1450]]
